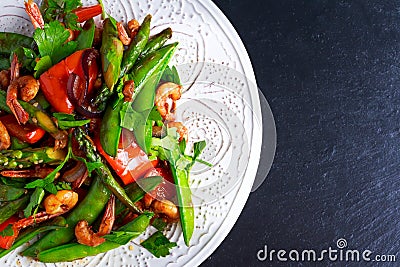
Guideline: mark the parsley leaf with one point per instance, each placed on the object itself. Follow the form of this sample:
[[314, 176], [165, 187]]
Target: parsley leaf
[[35, 200], [158, 245], [51, 41], [42, 65], [63, 186], [54, 9], [71, 21]]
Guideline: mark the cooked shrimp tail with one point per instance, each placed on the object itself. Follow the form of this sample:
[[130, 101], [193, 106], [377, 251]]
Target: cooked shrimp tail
[[34, 14]]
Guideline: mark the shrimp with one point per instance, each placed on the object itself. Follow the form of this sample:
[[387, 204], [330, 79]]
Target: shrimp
[[50, 212], [85, 235], [4, 79], [5, 141], [62, 202], [27, 87], [26, 222], [166, 97], [34, 14], [166, 207], [180, 129]]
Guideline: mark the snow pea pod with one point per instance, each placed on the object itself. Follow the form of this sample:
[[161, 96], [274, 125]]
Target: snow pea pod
[[89, 209], [10, 41], [11, 207], [156, 42], [110, 129], [111, 52], [136, 191], [31, 233], [73, 251], [136, 46], [147, 74]]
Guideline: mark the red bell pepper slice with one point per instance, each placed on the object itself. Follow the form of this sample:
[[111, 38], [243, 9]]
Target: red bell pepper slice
[[5, 240], [85, 13], [54, 81], [131, 162], [28, 133]]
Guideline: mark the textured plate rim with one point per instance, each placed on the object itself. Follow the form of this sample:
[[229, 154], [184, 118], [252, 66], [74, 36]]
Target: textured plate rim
[[245, 188]]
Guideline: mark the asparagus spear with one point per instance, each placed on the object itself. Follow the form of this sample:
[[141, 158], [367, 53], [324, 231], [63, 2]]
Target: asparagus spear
[[103, 171], [111, 52], [25, 158]]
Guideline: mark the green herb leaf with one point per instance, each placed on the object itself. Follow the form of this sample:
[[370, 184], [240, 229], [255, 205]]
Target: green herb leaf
[[159, 224], [91, 166], [26, 57], [71, 21], [47, 182], [63, 186], [182, 145], [54, 9], [51, 41], [198, 147], [171, 75], [67, 121], [158, 245], [42, 65], [8, 231], [155, 115], [86, 37], [121, 237], [64, 116], [35, 200]]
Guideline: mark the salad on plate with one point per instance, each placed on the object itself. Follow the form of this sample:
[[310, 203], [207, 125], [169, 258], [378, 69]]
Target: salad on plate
[[90, 152]]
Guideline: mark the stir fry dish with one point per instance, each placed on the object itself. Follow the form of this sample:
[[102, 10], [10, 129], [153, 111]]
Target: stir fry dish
[[90, 153]]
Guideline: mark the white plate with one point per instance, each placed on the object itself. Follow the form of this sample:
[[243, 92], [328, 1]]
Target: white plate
[[222, 106]]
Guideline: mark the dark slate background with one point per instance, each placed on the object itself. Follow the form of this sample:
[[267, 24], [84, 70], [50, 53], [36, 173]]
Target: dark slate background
[[330, 71]]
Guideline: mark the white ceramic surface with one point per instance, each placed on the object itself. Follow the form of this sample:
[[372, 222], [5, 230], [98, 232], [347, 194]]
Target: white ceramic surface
[[211, 108]]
